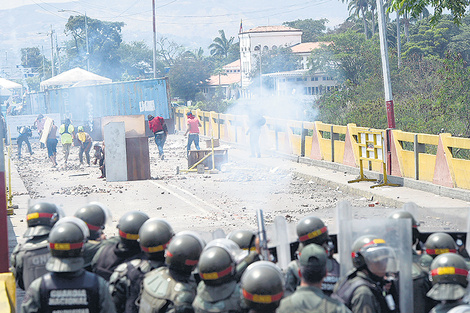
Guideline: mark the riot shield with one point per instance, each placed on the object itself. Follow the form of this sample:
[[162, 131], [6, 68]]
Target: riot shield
[[282, 242], [397, 236]]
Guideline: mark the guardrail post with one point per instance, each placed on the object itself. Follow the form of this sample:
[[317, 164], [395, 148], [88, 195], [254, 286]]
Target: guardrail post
[[334, 137], [418, 148], [218, 125], [304, 133]]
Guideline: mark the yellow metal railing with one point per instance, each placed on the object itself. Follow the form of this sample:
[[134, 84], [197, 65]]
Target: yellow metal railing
[[414, 155]]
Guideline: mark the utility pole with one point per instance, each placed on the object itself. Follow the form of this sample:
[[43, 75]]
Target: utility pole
[[58, 55], [154, 41], [87, 47], [387, 81], [43, 64], [52, 51]]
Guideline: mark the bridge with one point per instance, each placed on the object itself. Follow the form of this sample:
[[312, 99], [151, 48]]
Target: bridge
[[305, 169]]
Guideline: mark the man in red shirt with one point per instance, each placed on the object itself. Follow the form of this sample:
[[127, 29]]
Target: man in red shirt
[[158, 127], [193, 130]]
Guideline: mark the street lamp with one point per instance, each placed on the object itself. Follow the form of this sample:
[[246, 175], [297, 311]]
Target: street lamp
[[86, 37]]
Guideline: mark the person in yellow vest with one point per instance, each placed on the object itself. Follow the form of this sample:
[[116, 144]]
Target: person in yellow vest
[[66, 132], [85, 145]]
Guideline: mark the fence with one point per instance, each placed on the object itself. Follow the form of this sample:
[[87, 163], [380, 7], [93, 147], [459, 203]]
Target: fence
[[425, 157]]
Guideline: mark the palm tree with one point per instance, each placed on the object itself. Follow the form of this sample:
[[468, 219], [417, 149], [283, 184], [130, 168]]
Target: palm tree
[[373, 7], [196, 54], [359, 8], [221, 45]]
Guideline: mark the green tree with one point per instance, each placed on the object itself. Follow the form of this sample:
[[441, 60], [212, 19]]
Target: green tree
[[104, 39], [32, 58], [136, 59], [351, 58], [418, 7], [428, 40], [187, 76], [221, 45], [359, 8], [312, 30]]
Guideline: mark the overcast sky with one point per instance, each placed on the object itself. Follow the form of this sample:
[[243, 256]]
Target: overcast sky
[[191, 23], [189, 17]]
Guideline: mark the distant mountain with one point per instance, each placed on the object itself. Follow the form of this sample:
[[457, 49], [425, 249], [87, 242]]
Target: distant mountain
[[192, 24]]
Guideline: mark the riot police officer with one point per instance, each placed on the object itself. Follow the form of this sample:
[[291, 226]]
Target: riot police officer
[[421, 282], [247, 241], [262, 287], [311, 229], [309, 297], [218, 291], [68, 287], [437, 243], [173, 288], [109, 256], [28, 260], [449, 279], [126, 281], [96, 216], [365, 289]]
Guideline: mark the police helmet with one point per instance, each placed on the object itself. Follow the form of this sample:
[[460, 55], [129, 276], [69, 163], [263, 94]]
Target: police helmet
[[372, 253], [66, 241], [129, 226], [154, 236], [80, 129], [312, 261], [414, 224], [449, 277], [439, 243], [245, 239], [41, 217], [218, 260], [95, 215], [262, 286], [311, 229], [182, 254]]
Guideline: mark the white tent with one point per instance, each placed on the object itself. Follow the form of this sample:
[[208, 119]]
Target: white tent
[[7, 87], [74, 77], [8, 84]]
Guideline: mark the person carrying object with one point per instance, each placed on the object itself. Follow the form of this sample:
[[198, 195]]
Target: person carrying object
[[158, 127], [39, 125]]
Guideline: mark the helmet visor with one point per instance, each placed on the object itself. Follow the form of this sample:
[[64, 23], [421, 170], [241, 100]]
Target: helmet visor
[[380, 260]]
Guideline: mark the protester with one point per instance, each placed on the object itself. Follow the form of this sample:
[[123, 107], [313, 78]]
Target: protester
[[51, 144], [67, 134], [86, 142], [39, 125], [158, 127], [24, 133], [99, 156], [193, 124]]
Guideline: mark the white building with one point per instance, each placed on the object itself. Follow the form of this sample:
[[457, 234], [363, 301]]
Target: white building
[[299, 82], [264, 38], [228, 82]]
